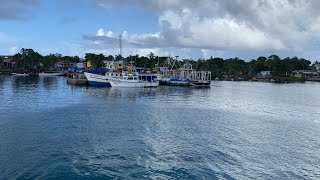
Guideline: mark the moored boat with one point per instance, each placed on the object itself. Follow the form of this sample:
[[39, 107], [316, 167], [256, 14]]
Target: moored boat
[[52, 74], [175, 81], [98, 78], [200, 83], [135, 80], [20, 74]]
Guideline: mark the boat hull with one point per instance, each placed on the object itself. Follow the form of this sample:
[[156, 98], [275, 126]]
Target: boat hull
[[200, 83], [52, 74], [97, 80], [123, 83], [19, 74], [175, 82]]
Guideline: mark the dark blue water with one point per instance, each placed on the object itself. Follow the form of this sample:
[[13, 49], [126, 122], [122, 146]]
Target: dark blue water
[[233, 130]]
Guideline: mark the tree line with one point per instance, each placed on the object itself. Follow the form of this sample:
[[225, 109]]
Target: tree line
[[28, 59], [219, 66]]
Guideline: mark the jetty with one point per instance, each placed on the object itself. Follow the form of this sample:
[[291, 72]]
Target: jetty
[[169, 74], [77, 79]]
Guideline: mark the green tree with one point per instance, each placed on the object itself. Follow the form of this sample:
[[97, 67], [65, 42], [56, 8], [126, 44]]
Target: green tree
[[1, 62], [96, 60], [118, 57], [110, 58], [49, 61], [27, 59]]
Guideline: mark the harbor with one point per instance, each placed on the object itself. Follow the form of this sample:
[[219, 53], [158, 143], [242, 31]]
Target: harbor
[[60, 131]]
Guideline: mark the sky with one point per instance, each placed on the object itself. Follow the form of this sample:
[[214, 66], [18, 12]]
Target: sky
[[193, 29]]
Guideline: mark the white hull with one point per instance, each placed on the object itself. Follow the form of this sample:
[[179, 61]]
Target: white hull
[[96, 77], [51, 74], [131, 83], [18, 74]]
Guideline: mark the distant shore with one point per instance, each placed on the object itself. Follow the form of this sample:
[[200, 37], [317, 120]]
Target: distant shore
[[270, 79]]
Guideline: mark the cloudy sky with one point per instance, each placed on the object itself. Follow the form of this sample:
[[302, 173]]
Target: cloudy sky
[[188, 28]]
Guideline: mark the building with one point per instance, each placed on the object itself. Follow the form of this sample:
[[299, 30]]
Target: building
[[265, 73], [7, 61], [114, 64], [62, 65], [305, 73]]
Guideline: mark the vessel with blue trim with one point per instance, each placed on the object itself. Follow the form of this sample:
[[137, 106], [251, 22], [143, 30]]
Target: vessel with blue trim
[[98, 78]]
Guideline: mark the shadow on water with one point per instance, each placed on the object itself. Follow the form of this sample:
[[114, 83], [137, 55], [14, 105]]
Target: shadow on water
[[25, 82], [49, 82], [167, 92]]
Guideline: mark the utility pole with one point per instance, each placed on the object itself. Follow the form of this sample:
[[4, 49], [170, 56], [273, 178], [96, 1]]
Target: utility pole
[[120, 44]]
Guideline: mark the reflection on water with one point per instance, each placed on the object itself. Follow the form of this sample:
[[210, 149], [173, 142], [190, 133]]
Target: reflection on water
[[241, 130]]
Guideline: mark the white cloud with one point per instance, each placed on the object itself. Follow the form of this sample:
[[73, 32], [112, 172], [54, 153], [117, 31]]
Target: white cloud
[[246, 25], [101, 32]]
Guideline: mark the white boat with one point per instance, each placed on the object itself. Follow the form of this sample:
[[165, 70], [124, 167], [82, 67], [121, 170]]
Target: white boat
[[52, 74], [20, 74], [134, 80], [97, 80]]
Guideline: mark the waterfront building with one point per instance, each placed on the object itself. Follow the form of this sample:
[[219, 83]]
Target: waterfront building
[[265, 73], [112, 65], [7, 61]]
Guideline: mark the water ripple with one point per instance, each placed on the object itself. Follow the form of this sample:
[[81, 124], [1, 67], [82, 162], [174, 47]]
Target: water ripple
[[233, 130]]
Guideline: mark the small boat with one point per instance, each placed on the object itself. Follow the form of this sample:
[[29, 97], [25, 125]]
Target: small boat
[[135, 80], [20, 74], [200, 83], [52, 74]]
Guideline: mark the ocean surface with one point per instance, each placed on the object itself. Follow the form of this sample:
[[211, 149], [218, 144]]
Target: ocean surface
[[233, 130]]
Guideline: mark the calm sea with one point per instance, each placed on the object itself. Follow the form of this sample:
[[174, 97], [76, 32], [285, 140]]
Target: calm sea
[[233, 130]]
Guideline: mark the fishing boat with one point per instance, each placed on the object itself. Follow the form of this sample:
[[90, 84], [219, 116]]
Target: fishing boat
[[134, 80], [97, 77]]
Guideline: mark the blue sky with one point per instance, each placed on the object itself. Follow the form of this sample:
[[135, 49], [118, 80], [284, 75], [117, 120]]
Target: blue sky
[[188, 28]]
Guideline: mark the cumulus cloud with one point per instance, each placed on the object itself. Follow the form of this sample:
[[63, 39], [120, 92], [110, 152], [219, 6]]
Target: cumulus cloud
[[241, 25], [110, 39], [17, 9]]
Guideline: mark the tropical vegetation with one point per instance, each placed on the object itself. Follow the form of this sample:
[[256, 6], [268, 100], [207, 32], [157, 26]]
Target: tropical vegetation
[[28, 59]]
